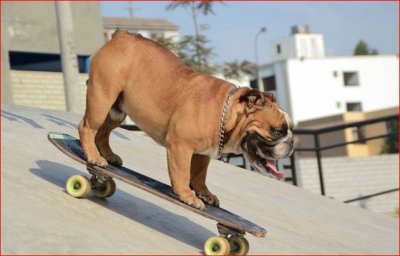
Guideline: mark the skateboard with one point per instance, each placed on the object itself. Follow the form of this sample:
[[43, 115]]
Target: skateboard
[[230, 226]]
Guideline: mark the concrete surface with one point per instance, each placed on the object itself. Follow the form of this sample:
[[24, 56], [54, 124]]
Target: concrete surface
[[38, 217]]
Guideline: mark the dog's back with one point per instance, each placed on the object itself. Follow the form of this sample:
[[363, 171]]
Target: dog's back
[[152, 80]]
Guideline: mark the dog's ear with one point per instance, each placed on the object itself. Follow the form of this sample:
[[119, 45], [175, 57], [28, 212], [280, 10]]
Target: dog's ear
[[270, 95], [253, 100]]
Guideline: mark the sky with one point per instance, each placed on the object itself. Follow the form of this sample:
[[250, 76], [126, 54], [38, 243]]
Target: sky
[[232, 29]]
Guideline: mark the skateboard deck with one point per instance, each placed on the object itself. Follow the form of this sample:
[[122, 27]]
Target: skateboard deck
[[72, 147]]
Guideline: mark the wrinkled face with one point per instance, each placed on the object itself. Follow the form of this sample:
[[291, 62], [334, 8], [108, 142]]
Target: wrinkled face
[[268, 133]]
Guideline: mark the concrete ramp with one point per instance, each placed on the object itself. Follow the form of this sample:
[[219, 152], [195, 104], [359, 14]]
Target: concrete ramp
[[38, 217]]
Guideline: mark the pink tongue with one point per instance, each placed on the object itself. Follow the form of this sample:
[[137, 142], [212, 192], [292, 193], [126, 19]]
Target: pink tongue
[[272, 167]]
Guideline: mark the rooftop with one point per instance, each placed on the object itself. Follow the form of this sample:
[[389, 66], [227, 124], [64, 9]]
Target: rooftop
[[112, 22]]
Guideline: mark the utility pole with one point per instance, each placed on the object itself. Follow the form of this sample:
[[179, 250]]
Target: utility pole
[[260, 83], [6, 93], [69, 61], [131, 10]]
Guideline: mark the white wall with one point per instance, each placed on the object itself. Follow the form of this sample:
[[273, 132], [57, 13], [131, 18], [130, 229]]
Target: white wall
[[348, 178], [315, 92], [166, 33], [298, 46], [309, 46], [288, 49]]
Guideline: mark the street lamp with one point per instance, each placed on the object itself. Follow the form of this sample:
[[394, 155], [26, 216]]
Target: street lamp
[[259, 80]]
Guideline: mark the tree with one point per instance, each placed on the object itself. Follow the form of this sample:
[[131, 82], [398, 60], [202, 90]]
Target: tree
[[236, 69], [197, 52], [194, 8], [170, 43], [194, 49], [363, 49]]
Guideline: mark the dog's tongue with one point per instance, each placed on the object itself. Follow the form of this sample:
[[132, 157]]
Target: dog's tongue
[[272, 167]]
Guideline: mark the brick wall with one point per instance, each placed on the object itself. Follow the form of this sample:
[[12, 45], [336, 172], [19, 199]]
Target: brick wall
[[347, 178], [42, 89]]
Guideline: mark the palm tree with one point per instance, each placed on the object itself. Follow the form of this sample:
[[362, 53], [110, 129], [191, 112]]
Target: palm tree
[[194, 8], [236, 69], [201, 53]]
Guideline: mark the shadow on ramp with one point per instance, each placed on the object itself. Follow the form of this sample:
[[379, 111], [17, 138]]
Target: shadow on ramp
[[132, 207]]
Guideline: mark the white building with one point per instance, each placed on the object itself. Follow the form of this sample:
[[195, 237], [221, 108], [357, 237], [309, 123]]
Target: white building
[[310, 85], [299, 44]]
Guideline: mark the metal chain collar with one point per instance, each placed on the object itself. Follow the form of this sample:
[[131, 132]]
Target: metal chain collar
[[222, 156]]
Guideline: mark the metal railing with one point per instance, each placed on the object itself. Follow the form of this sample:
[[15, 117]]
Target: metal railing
[[318, 149]]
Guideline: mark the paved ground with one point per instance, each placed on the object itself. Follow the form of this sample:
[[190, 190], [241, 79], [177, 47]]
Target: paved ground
[[38, 217]]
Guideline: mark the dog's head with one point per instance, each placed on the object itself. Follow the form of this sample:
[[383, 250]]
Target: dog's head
[[267, 133]]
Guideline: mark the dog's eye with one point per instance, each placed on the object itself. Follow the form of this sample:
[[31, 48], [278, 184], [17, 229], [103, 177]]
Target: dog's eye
[[278, 132]]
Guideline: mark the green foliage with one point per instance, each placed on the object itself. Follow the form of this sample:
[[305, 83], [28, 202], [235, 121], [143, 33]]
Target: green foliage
[[236, 69], [205, 7], [391, 144], [195, 46], [194, 50], [196, 54], [363, 49]]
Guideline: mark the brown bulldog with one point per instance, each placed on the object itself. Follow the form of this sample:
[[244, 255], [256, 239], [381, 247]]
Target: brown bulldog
[[194, 115]]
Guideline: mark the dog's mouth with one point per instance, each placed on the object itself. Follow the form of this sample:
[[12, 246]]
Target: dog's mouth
[[260, 155]]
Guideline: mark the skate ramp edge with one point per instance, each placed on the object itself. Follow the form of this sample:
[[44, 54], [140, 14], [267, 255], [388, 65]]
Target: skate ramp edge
[[38, 217]]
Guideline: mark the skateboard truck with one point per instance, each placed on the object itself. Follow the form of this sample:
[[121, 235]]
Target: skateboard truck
[[98, 178], [230, 241], [225, 231]]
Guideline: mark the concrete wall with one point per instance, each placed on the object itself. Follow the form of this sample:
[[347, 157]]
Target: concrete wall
[[32, 26], [42, 89], [348, 178]]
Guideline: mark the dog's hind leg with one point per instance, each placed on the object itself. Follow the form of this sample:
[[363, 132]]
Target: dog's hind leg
[[99, 101], [113, 120]]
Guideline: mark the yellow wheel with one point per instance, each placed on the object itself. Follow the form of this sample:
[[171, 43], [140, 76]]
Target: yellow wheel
[[78, 186], [216, 245], [107, 190], [239, 245]]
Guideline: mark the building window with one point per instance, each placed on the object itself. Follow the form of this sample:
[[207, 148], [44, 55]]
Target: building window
[[350, 78], [353, 106], [358, 135], [278, 49], [254, 84], [156, 35], [43, 62], [269, 83]]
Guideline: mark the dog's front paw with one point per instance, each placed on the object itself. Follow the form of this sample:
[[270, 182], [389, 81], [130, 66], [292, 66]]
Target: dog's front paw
[[193, 201], [208, 198], [114, 160], [98, 161]]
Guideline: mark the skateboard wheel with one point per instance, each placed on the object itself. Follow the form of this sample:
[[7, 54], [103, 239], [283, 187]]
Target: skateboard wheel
[[107, 190], [216, 245], [78, 186], [239, 245]]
